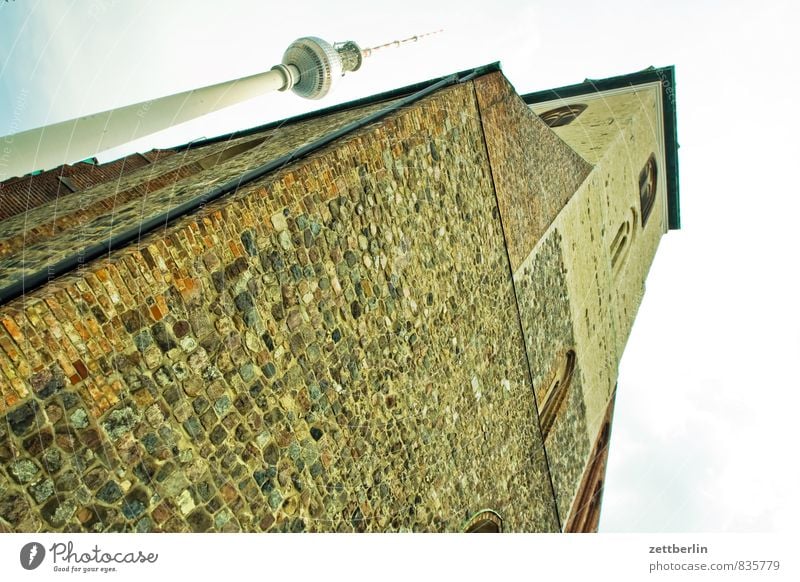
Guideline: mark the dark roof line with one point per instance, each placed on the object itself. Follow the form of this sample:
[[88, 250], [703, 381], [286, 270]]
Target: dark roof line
[[663, 75], [369, 100], [406, 95]]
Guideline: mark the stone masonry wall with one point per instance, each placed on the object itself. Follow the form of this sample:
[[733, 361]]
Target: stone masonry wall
[[544, 300], [334, 348], [50, 232], [535, 173]]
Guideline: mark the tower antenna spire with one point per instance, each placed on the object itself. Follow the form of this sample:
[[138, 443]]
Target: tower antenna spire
[[397, 43]]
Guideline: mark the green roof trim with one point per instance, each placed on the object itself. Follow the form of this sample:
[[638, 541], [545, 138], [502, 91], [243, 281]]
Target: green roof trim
[[663, 75], [369, 100]]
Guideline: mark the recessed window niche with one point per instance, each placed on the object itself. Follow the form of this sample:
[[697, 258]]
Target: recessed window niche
[[228, 153], [485, 521], [648, 182], [556, 394], [620, 246], [564, 115]]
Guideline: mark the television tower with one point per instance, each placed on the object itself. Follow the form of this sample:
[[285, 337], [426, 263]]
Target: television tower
[[311, 68]]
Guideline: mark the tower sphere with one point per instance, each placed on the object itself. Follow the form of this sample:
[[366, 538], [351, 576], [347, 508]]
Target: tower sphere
[[319, 64]]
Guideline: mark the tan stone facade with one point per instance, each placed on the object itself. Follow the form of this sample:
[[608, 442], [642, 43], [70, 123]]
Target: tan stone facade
[[398, 332]]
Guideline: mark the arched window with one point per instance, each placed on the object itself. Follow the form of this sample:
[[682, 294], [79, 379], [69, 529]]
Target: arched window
[[622, 242], [562, 115], [648, 182], [556, 394], [584, 515], [485, 521]]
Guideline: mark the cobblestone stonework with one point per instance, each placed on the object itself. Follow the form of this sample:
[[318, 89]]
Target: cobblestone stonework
[[547, 326], [335, 347], [535, 173], [415, 325], [30, 242]]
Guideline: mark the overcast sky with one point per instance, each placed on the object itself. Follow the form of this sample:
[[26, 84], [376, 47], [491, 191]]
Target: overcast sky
[[704, 431]]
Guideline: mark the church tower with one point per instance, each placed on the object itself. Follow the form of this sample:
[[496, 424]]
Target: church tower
[[401, 313]]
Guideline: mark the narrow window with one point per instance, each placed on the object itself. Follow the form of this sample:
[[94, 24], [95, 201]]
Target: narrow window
[[648, 181], [226, 154], [562, 115], [556, 394], [585, 513], [486, 521], [622, 242]]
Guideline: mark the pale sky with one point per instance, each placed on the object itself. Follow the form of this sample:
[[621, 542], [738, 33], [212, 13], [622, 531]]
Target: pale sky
[[704, 430]]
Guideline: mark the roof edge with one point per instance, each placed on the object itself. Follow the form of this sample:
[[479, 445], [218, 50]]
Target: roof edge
[[369, 100], [36, 279]]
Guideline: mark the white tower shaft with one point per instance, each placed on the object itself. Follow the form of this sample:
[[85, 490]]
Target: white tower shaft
[[310, 66], [81, 138]]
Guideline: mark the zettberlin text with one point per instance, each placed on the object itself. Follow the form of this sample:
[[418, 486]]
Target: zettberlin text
[[674, 549]]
